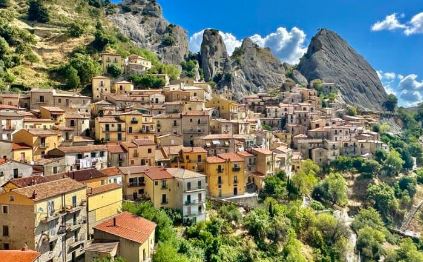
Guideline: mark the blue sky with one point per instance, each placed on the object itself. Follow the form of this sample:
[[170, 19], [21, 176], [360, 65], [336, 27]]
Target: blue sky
[[394, 46]]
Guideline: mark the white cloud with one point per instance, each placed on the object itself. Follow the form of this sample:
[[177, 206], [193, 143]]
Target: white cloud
[[287, 45], [408, 88], [391, 23], [231, 42], [415, 25]]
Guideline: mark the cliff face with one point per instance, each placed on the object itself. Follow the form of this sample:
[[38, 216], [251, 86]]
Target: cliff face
[[143, 22], [214, 57], [250, 69], [332, 59]]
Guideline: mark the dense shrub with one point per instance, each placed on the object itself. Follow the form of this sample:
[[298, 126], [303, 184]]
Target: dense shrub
[[38, 12]]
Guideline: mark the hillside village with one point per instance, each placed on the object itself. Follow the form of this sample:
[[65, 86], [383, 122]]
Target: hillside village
[[142, 164]]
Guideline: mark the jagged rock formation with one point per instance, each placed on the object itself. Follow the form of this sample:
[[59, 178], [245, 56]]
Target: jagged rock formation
[[255, 69], [331, 59], [214, 57], [143, 22], [250, 69], [299, 78]]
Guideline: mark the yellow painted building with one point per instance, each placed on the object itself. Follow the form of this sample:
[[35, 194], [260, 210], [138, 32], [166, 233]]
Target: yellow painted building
[[103, 202], [101, 85], [225, 175], [108, 59], [122, 87], [134, 234], [140, 152], [110, 129], [21, 152], [39, 123], [53, 113], [191, 158], [159, 187], [40, 140], [138, 125], [48, 217], [225, 107]]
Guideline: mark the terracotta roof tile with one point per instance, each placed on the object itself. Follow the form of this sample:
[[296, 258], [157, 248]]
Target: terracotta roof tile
[[157, 173], [82, 149], [214, 160], [111, 171], [85, 174], [128, 226], [233, 157], [102, 189], [193, 150], [49, 189], [19, 255], [263, 151], [114, 148]]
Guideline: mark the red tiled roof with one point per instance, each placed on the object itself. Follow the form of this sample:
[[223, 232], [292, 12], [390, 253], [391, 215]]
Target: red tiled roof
[[233, 157], [193, 150], [263, 151], [18, 255], [214, 160], [111, 171], [85, 174], [102, 189], [144, 142], [244, 154], [158, 173], [20, 146], [128, 226], [33, 180], [114, 148], [49, 189], [82, 149]]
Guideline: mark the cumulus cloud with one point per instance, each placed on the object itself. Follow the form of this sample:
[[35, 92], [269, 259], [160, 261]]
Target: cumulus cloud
[[289, 46], [392, 22], [231, 42], [408, 88]]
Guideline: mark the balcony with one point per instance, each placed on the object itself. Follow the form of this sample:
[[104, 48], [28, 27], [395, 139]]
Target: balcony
[[236, 169], [165, 202], [73, 208], [134, 121], [193, 131], [164, 186], [194, 202], [72, 227], [138, 184], [219, 170], [54, 215], [77, 243]]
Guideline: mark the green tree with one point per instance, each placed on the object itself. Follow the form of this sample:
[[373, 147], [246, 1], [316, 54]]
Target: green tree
[[75, 29], [87, 68], [38, 12], [189, 68], [393, 163], [370, 167], [419, 173], [306, 178], [391, 103], [257, 223], [368, 217], [380, 155], [274, 186], [72, 78], [332, 189], [383, 198], [147, 81], [166, 252], [369, 243], [406, 252], [409, 184], [292, 251], [114, 70], [351, 111]]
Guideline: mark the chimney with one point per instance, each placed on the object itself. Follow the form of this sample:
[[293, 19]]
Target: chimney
[[34, 194], [24, 248], [114, 221]]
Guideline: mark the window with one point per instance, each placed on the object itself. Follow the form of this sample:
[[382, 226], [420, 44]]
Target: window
[[42, 99], [101, 153], [5, 231], [189, 186], [199, 184], [164, 199], [6, 246], [55, 170], [5, 209], [15, 173], [199, 158], [11, 198], [200, 197], [72, 122], [51, 245], [130, 129], [93, 154], [74, 201], [149, 150]]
